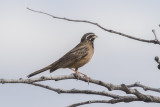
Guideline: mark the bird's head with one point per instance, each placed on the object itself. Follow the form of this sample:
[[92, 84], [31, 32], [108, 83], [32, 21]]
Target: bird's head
[[89, 37]]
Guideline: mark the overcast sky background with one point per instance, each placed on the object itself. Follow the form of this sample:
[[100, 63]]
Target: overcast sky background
[[30, 41]]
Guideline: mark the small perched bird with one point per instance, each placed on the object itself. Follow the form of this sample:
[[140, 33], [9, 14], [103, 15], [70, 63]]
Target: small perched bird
[[75, 58]]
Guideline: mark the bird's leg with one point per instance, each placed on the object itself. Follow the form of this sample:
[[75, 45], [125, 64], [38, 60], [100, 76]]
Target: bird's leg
[[76, 71], [85, 77]]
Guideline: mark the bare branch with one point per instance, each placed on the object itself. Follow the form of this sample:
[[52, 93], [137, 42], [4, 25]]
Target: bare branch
[[145, 88], [142, 97], [154, 34], [77, 91], [112, 101], [109, 86], [125, 88], [57, 78], [158, 61], [98, 25], [156, 39]]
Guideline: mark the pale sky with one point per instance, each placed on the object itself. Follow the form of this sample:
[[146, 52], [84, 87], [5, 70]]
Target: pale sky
[[30, 41]]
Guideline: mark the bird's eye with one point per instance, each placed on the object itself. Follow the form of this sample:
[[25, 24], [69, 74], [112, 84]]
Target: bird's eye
[[89, 37]]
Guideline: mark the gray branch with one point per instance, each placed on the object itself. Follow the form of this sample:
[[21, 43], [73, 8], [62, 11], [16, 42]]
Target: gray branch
[[158, 61], [131, 94], [145, 88], [77, 91], [112, 101], [155, 41]]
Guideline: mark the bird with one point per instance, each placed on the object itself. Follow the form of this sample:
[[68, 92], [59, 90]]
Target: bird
[[75, 58]]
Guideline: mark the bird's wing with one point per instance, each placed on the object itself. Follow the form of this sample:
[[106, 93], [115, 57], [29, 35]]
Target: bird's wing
[[71, 57]]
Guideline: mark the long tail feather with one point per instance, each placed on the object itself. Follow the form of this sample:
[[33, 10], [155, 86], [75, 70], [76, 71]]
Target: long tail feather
[[39, 71]]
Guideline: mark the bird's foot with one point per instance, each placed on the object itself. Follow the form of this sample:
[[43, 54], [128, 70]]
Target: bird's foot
[[77, 73], [87, 79]]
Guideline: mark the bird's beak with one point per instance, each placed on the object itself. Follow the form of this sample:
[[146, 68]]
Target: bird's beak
[[95, 36]]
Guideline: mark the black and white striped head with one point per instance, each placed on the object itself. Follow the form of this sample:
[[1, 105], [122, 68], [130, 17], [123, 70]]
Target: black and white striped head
[[89, 37]]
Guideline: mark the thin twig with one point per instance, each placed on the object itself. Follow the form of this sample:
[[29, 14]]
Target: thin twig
[[112, 101], [145, 88], [77, 91], [158, 61], [154, 32], [98, 25]]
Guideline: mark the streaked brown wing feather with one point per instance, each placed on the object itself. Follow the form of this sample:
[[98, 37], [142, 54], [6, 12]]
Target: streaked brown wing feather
[[70, 58]]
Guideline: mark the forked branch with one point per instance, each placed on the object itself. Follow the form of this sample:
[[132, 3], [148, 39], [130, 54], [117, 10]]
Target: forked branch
[[98, 25], [131, 94]]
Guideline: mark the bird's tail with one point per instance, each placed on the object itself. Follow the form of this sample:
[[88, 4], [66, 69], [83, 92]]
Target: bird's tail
[[39, 71]]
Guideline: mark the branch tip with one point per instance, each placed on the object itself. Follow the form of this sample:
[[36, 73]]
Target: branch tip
[[156, 59], [154, 32], [158, 67]]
